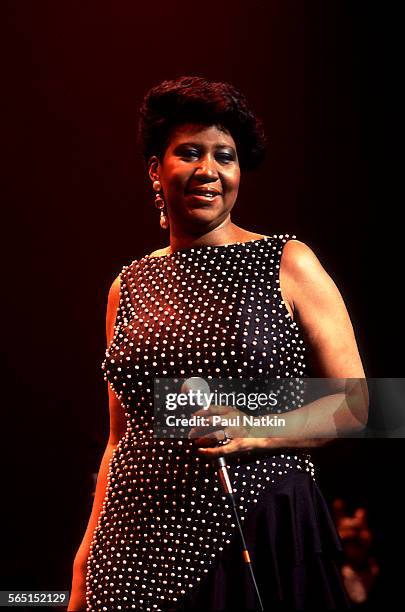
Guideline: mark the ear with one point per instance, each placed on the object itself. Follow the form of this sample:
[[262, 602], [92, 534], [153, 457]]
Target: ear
[[154, 165]]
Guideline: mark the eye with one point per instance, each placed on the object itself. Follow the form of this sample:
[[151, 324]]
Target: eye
[[187, 153], [225, 157]]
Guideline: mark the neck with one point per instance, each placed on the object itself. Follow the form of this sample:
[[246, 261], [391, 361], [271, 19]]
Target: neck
[[224, 233]]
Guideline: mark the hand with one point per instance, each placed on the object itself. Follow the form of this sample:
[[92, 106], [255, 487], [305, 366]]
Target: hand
[[225, 418]]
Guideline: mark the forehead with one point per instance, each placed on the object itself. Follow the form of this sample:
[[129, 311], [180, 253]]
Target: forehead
[[192, 132]]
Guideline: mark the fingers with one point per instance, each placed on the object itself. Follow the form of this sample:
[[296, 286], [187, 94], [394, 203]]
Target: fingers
[[206, 428], [209, 439], [217, 451], [218, 421], [235, 447]]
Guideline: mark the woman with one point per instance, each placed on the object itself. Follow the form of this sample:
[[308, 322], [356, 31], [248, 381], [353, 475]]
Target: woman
[[218, 301]]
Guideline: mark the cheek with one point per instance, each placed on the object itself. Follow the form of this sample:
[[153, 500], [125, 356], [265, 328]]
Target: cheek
[[176, 180], [233, 181]]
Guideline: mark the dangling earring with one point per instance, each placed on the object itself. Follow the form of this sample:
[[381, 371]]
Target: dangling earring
[[160, 204]]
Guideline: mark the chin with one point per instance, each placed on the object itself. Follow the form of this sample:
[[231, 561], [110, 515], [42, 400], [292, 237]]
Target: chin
[[202, 213]]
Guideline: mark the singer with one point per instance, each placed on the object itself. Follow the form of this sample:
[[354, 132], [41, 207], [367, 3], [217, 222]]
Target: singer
[[217, 301]]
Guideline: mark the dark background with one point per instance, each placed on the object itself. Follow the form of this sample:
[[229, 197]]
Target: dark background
[[324, 76]]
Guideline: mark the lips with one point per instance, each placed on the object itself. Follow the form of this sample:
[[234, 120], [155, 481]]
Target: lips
[[209, 194]]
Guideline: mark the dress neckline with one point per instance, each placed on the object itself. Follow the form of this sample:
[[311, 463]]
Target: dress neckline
[[210, 246]]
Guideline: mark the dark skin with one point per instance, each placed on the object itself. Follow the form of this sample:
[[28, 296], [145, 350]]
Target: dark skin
[[205, 158], [199, 158]]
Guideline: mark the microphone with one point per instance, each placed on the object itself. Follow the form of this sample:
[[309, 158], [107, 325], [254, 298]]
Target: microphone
[[196, 383]]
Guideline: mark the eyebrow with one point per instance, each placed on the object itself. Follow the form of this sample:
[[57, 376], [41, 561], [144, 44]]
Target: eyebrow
[[198, 144]]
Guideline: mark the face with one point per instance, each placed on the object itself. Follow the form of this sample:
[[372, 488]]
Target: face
[[199, 175]]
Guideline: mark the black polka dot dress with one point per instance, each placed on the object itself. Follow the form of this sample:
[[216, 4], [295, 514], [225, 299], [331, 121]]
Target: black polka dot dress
[[166, 538]]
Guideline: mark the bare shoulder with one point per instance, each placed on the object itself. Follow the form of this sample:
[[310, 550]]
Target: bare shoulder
[[298, 264], [112, 306], [321, 312], [299, 261], [160, 252], [114, 292], [309, 289], [115, 287]]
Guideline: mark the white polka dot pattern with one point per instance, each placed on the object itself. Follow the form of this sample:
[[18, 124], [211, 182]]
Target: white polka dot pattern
[[211, 311]]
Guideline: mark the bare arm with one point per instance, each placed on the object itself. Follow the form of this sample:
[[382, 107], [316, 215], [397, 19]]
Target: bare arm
[[317, 306], [117, 429], [319, 309], [321, 312]]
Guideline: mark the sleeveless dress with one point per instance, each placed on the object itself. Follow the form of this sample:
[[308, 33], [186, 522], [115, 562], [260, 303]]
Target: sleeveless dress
[[166, 538]]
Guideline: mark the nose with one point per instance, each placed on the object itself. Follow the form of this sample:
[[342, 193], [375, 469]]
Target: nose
[[207, 168]]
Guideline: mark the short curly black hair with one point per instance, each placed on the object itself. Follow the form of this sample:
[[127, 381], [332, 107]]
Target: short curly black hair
[[193, 99]]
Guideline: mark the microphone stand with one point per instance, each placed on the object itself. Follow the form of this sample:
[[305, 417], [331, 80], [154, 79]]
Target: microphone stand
[[197, 383], [223, 475]]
